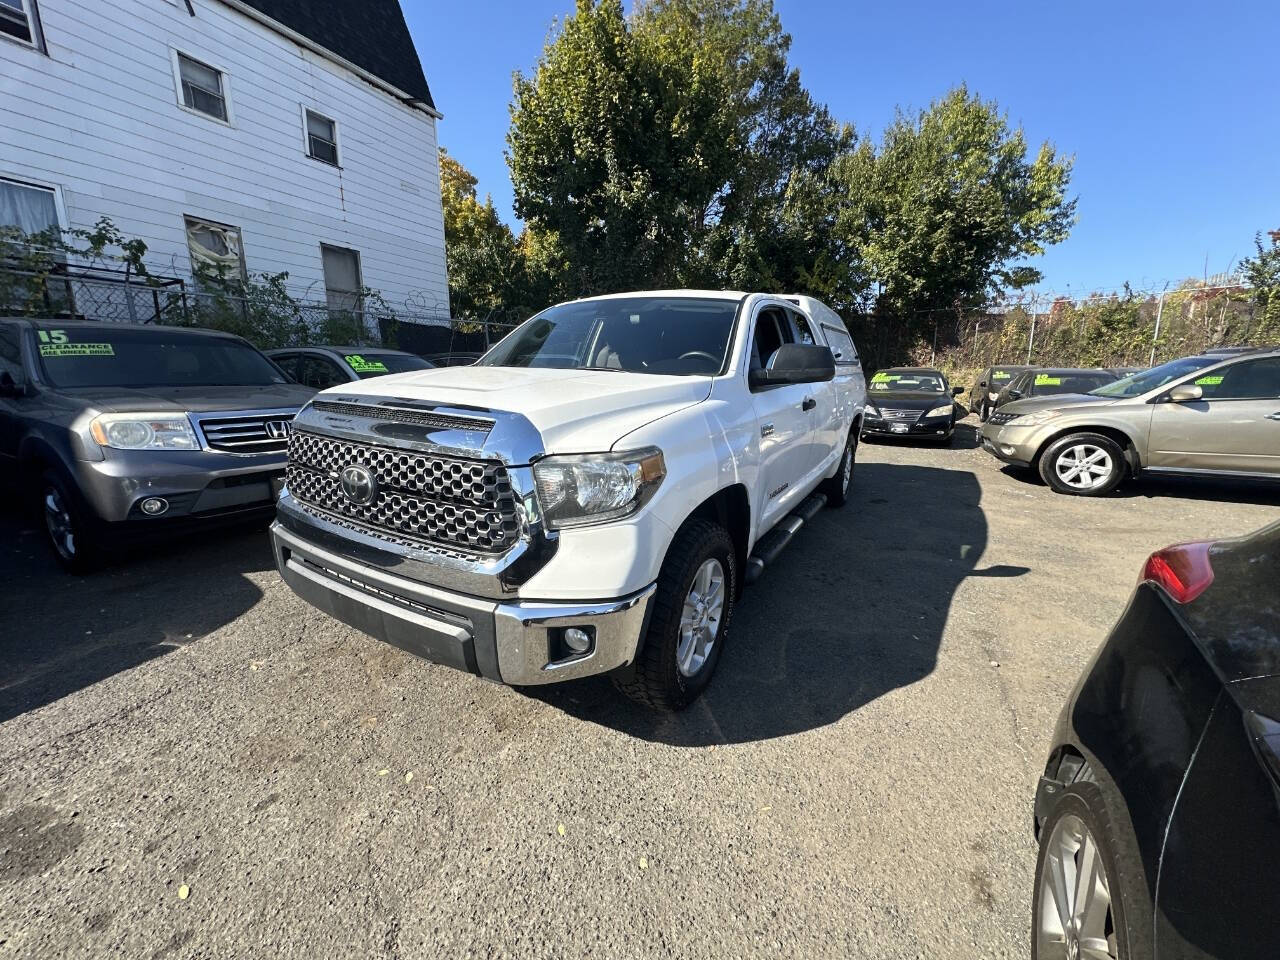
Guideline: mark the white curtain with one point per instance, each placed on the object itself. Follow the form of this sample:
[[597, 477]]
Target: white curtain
[[216, 247], [30, 209]]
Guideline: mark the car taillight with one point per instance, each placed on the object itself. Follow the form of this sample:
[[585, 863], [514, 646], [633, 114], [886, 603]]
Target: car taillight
[[1183, 570]]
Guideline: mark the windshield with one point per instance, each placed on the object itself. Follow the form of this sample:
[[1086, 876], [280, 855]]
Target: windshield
[[161, 357], [366, 365], [1051, 384], [901, 382], [1148, 380], [682, 336]]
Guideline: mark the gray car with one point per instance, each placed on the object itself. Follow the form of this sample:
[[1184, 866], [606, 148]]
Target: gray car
[[1212, 414], [325, 366], [123, 431]]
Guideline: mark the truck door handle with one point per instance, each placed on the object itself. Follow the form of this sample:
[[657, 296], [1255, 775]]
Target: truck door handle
[[810, 403]]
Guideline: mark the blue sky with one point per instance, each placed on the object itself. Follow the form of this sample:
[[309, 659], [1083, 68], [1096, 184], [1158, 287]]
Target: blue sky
[[1171, 109]]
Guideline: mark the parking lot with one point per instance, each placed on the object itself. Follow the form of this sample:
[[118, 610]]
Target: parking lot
[[857, 781]]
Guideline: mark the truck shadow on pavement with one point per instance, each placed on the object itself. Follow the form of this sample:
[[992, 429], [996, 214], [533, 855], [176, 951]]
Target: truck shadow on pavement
[[59, 633], [854, 608]]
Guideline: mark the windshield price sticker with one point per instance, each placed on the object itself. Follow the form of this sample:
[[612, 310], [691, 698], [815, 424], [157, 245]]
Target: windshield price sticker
[[1044, 380], [1214, 380], [360, 365], [1001, 375], [77, 350], [886, 377]]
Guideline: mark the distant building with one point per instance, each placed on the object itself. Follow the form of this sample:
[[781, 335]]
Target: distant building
[[257, 136]]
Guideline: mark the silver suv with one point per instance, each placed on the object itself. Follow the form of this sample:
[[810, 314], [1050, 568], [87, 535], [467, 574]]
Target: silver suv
[[1217, 413]]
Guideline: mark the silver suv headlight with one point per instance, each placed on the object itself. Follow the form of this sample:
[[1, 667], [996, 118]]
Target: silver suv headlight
[[593, 488], [1035, 419], [144, 431]]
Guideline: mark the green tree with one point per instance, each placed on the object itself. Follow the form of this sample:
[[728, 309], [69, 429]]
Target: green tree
[[1262, 274], [482, 255], [941, 212]]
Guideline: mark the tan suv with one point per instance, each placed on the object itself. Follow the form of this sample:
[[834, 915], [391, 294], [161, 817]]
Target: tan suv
[[1217, 413]]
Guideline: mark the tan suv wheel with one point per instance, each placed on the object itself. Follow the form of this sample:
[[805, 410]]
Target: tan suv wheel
[[1083, 464]]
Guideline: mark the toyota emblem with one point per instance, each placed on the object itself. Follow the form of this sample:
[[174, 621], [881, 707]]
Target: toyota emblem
[[358, 484]]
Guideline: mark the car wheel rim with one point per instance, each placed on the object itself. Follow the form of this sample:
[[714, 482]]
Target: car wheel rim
[[847, 467], [57, 520], [1074, 919], [1084, 466], [700, 618]]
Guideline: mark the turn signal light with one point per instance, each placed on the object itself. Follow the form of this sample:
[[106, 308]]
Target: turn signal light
[[1183, 570]]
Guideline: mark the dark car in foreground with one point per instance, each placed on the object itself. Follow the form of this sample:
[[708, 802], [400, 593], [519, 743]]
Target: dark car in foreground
[[1053, 382], [989, 384], [120, 431], [1158, 814], [321, 367], [915, 402]]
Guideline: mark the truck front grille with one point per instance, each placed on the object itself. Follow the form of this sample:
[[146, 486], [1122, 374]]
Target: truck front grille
[[450, 501], [247, 433]]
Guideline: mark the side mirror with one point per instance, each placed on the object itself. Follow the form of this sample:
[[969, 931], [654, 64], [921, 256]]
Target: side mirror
[[956, 391], [1186, 393], [796, 363], [10, 387], [1015, 394]]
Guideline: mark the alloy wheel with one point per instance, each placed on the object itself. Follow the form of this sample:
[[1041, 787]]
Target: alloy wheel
[[1074, 918], [846, 468], [700, 618], [59, 522], [1083, 466]]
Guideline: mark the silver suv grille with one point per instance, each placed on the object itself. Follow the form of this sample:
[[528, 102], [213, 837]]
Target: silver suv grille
[[248, 433], [459, 503]]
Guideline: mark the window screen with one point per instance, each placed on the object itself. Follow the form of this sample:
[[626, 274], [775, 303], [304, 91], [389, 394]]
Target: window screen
[[202, 87], [341, 278], [322, 138]]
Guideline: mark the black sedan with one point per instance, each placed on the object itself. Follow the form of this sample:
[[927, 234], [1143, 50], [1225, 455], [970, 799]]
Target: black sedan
[[1053, 382], [915, 402], [1158, 815]]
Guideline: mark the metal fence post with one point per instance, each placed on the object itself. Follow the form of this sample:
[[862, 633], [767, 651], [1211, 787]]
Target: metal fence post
[[1151, 362], [1031, 335]]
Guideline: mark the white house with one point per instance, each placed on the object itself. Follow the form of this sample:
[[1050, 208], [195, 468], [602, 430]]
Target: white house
[[259, 135]]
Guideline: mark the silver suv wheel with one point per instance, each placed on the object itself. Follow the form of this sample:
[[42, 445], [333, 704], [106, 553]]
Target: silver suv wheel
[[1083, 466]]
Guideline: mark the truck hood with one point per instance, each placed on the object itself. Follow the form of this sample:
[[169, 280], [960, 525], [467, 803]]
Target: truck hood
[[575, 411], [196, 399]]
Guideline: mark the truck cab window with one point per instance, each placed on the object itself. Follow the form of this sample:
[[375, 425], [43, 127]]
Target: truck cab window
[[772, 331]]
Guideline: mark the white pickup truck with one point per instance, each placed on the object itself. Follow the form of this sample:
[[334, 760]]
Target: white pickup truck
[[590, 497]]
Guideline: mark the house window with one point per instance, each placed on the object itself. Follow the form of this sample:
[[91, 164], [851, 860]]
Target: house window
[[30, 208], [216, 250], [18, 20], [322, 138], [203, 89], [342, 285]]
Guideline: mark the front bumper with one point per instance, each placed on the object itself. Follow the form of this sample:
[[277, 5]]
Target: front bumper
[[195, 484], [1011, 443], [513, 642], [928, 429]]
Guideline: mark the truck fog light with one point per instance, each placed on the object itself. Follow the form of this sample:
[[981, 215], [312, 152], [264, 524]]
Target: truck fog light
[[577, 639], [154, 506]]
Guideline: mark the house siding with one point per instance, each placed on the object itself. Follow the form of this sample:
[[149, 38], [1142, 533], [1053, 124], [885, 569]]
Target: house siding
[[99, 118]]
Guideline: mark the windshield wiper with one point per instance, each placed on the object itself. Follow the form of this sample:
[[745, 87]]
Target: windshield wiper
[[605, 369]]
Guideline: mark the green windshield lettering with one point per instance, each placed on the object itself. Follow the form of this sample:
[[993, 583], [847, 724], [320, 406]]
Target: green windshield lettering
[[360, 365], [1044, 380], [886, 377], [1210, 381], [77, 350]]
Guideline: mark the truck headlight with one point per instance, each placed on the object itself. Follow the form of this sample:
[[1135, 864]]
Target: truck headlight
[[144, 431], [942, 411], [578, 490]]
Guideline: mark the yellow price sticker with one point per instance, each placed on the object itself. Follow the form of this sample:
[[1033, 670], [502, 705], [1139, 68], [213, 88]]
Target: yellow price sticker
[[77, 350], [360, 365]]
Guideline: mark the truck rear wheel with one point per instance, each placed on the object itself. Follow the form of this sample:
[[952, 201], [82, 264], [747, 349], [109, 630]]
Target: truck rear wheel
[[837, 488], [691, 612]]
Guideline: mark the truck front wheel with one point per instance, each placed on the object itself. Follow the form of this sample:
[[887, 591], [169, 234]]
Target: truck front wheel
[[692, 609]]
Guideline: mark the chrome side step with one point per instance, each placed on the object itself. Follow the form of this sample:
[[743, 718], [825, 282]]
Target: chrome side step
[[773, 542]]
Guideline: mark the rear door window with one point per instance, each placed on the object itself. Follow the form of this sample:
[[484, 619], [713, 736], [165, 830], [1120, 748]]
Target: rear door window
[[321, 372], [841, 344]]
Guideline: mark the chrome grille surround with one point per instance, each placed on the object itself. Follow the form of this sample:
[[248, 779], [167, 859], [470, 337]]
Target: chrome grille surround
[[245, 432], [900, 416], [463, 504]]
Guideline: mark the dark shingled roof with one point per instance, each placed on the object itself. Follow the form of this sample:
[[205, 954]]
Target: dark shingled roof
[[371, 34]]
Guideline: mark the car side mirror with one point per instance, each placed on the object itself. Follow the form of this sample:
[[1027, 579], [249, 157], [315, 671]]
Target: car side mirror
[[956, 391], [10, 387], [1186, 393], [796, 363], [1015, 394]]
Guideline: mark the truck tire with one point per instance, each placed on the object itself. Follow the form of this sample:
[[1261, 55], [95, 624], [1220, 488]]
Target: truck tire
[[1083, 465], [687, 630], [67, 524], [837, 488]]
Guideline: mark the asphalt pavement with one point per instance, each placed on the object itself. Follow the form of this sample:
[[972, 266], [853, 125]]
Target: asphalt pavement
[[193, 763]]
